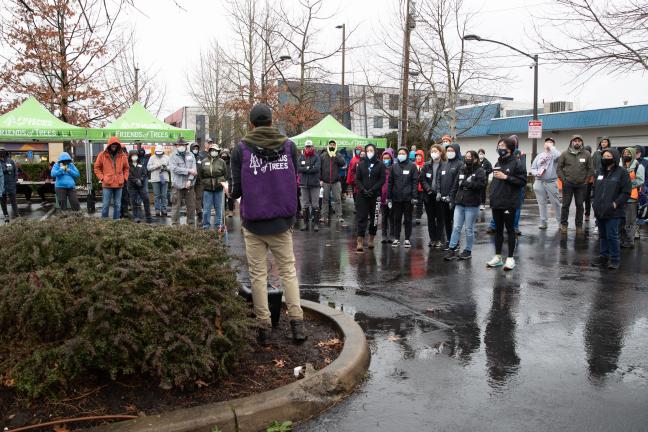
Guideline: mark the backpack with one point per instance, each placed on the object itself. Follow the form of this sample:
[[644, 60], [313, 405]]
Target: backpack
[[642, 207]]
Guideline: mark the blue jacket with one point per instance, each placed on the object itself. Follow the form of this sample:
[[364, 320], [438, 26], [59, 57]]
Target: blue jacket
[[65, 178]]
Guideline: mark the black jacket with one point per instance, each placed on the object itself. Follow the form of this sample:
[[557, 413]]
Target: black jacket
[[403, 182], [505, 194], [447, 176], [330, 171], [309, 169], [468, 187], [487, 166], [610, 187], [370, 177], [428, 180], [137, 174]]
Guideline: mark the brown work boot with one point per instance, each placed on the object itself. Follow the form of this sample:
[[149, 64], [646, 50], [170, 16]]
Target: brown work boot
[[359, 245], [370, 242], [563, 229]]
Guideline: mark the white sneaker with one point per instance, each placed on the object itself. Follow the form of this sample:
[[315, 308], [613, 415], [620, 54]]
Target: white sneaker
[[510, 264], [407, 244], [496, 261], [482, 207], [395, 243]]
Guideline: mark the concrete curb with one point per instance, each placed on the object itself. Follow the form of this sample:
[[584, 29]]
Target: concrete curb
[[297, 401]]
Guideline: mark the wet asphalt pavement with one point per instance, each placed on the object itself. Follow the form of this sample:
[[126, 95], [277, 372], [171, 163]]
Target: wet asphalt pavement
[[553, 345]]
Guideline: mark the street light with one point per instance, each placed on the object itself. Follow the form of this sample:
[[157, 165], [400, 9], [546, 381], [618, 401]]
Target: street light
[[534, 57], [264, 96], [342, 105]]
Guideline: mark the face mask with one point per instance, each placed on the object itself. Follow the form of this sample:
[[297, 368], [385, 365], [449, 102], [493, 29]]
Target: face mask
[[502, 152], [308, 151], [213, 153], [435, 155], [402, 158], [194, 151], [412, 155], [181, 149], [331, 149], [134, 158], [481, 157], [607, 162], [159, 153], [468, 161], [446, 143], [387, 162], [627, 159], [357, 152], [451, 155], [370, 155]]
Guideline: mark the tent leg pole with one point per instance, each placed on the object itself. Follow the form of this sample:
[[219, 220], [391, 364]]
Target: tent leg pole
[[90, 199]]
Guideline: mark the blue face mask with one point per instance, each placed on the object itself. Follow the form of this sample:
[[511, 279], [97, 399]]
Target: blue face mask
[[402, 158], [387, 162], [412, 155]]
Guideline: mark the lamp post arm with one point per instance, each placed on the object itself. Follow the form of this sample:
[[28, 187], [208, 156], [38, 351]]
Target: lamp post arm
[[532, 57]]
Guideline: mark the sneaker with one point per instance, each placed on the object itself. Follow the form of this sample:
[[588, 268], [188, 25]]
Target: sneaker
[[158, 213], [579, 230], [384, 240], [627, 245], [543, 226], [510, 264], [6, 219], [451, 255], [600, 261], [490, 230], [613, 265], [418, 221], [465, 255], [496, 261], [407, 244], [518, 233], [482, 207], [446, 247], [563, 229], [587, 216], [431, 244], [395, 243], [438, 245]]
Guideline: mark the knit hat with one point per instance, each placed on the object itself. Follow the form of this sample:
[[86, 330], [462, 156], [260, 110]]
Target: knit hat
[[261, 115], [113, 140]]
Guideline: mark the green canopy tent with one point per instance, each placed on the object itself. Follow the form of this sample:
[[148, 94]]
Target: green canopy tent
[[137, 124], [330, 129], [31, 121]]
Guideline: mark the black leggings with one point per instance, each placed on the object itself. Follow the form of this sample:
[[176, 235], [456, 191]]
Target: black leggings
[[504, 217], [366, 215], [402, 210], [11, 197], [435, 218], [448, 219]]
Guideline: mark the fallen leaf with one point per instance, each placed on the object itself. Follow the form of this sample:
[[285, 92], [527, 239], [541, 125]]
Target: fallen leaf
[[329, 343], [130, 408], [327, 360], [8, 382], [393, 338], [279, 363], [201, 384]]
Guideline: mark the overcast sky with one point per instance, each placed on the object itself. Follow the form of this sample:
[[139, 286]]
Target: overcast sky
[[170, 40]]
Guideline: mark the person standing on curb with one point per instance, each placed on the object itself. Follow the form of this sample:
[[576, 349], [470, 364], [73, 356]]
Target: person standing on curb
[[466, 197], [213, 173], [158, 166], [574, 169], [385, 210], [488, 170], [263, 170], [309, 167], [445, 180], [612, 189], [10, 180], [637, 175], [183, 176], [65, 174], [111, 168], [370, 177], [137, 191], [432, 198], [230, 202], [401, 196], [330, 179], [545, 185], [509, 176]]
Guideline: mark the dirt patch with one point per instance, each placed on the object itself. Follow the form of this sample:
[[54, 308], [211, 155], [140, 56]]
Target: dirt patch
[[264, 369]]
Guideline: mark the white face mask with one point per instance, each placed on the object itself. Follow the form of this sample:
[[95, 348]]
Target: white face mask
[[436, 155], [181, 149], [194, 151], [213, 153], [370, 155], [134, 158], [451, 155], [481, 157], [446, 143], [159, 153], [402, 158]]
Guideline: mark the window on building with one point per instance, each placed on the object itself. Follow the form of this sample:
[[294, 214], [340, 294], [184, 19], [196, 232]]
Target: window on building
[[393, 122], [378, 100], [393, 102], [378, 122]]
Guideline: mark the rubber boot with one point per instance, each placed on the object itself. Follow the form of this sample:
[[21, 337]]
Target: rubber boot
[[297, 327], [306, 217], [359, 244], [316, 216], [370, 242]]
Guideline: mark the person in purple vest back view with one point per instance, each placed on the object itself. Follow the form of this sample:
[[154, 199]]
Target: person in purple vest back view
[[264, 177]]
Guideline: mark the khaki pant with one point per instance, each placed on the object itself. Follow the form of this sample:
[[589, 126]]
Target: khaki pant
[[281, 246], [176, 202]]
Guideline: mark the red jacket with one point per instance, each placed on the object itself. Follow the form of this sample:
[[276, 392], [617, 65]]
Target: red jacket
[[353, 165], [419, 165]]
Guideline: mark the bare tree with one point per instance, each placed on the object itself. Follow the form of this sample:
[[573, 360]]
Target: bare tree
[[597, 36]]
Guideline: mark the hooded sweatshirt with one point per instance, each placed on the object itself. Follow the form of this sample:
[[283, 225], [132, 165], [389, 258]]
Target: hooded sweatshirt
[[353, 164], [419, 166], [596, 157], [137, 171], [270, 151], [403, 181], [448, 172], [370, 176], [637, 175], [611, 186], [385, 186], [65, 172], [575, 167]]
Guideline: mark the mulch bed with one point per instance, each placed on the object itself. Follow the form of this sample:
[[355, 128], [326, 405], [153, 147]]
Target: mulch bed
[[265, 369]]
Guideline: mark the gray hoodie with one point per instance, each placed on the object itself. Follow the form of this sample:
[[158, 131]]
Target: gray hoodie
[[180, 165]]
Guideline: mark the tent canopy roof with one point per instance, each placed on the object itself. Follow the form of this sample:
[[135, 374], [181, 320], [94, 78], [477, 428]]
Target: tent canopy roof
[[31, 121], [330, 129], [138, 124]]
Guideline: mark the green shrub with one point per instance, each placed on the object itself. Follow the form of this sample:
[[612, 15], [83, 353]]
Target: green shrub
[[82, 297], [34, 171]]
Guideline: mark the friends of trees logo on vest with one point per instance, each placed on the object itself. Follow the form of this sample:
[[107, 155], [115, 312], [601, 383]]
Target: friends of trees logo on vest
[[259, 164]]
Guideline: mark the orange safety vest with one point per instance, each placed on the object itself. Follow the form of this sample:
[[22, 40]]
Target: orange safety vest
[[635, 191]]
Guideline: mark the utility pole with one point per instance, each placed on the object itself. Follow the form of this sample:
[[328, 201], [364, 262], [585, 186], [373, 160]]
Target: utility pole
[[409, 24], [364, 103], [136, 84], [534, 145], [342, 96]]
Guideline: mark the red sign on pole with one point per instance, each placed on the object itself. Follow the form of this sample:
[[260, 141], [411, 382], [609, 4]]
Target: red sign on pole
[[535, 129]]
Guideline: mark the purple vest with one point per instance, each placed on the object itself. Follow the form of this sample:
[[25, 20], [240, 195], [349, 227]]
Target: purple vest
[[269, 187]]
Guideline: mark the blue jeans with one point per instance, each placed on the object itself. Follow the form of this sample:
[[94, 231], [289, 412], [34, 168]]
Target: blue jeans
[[114, 195], [160, 195], [467, 215], [609, 238], [212, 199]]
